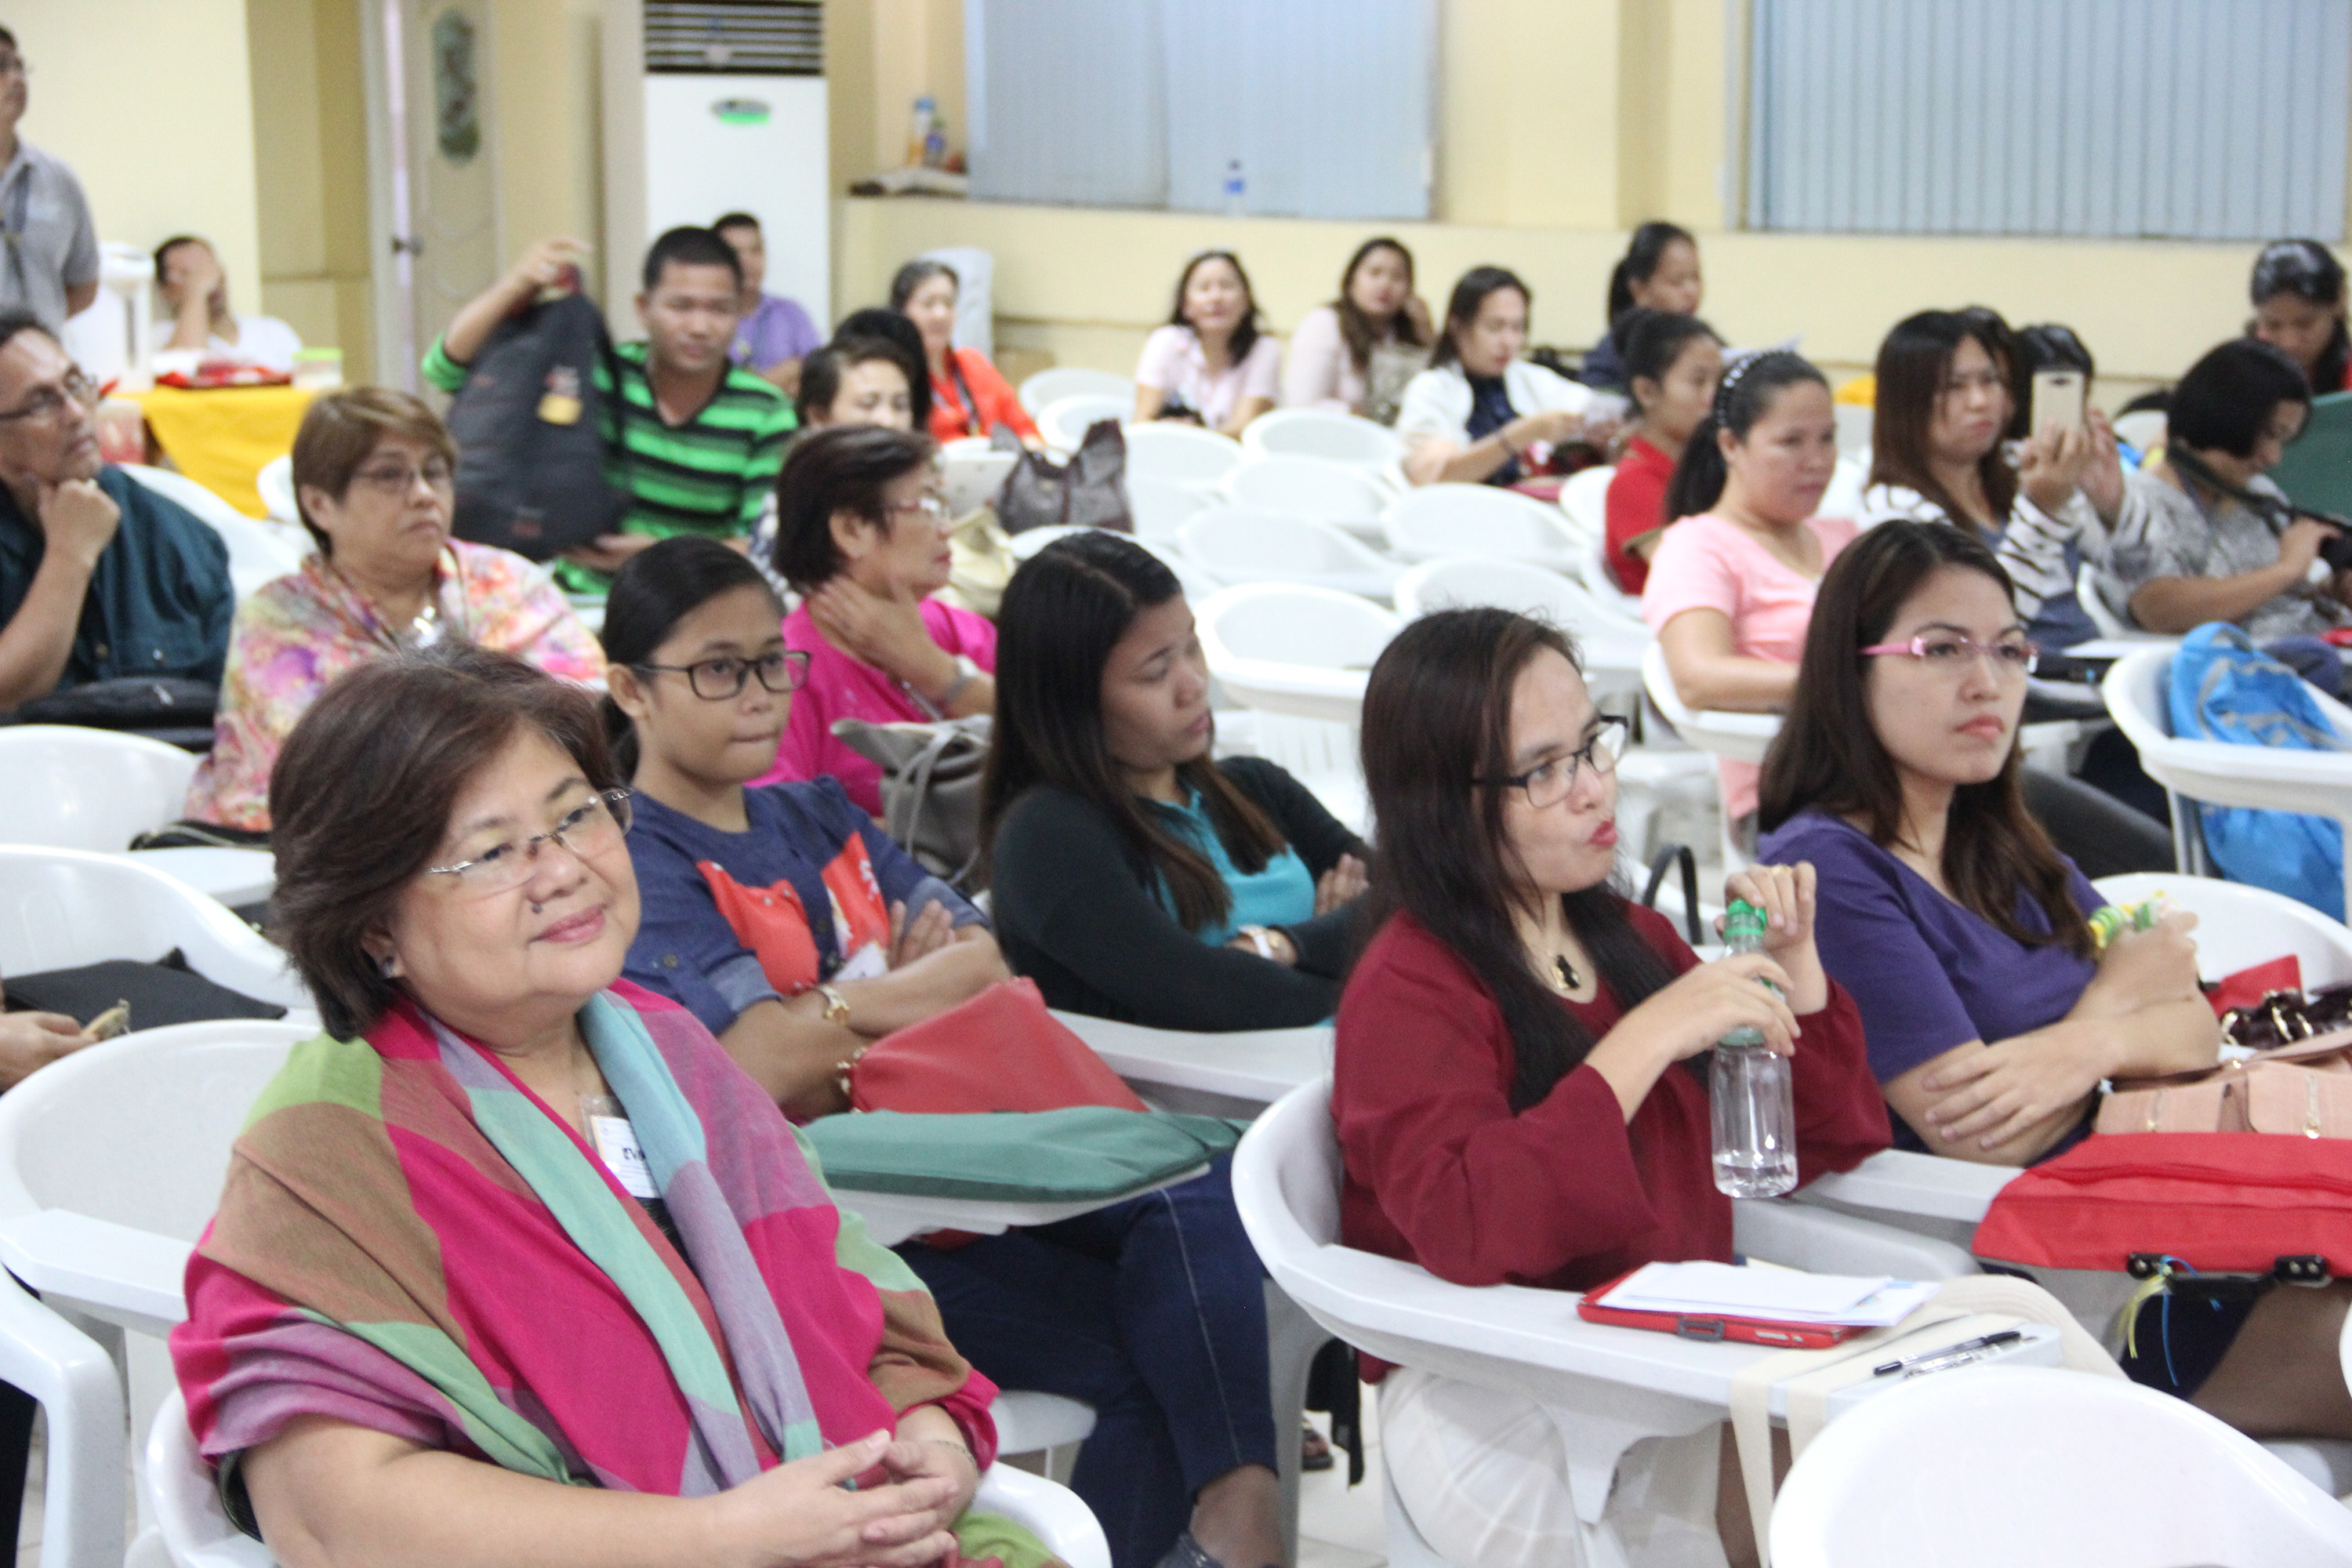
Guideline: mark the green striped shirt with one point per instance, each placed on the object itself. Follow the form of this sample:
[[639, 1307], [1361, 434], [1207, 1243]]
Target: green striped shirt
[[709, 475]]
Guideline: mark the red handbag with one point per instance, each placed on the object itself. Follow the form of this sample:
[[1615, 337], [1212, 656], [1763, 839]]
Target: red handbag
[[2221, 1202], [1001, 1050]]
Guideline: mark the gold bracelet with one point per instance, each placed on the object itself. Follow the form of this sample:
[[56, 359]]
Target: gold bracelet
[[836, 1006], [842, 1069]]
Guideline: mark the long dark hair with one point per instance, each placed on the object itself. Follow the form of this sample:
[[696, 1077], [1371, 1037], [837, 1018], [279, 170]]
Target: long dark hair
[[1828, 756], [1462, 305], [1437, 715], [1741, 398], [1643, 253], [654, 590], [1246, 333], [1914, 363], [1062, 614], [2308, 270], [1650, 342], [1355, 327]]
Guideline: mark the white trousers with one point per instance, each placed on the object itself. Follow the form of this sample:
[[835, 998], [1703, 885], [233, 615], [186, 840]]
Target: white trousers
[[1485, 1476]]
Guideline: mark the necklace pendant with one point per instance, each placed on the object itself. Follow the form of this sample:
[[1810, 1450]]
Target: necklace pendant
[[1564, 976]]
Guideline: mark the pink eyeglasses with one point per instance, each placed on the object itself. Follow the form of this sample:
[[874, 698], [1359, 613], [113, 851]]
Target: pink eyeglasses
[[1953, 652]]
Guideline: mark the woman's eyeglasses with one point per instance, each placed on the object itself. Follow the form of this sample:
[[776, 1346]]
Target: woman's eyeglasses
[[1952, 653], [716, 679], [589, 829], [933, 507], [1548, 783]]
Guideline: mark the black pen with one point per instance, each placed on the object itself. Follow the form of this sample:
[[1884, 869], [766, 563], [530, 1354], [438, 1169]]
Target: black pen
[[1982, 1342]]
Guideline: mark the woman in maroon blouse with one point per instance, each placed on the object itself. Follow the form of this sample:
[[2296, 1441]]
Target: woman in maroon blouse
[[1519, 1082]]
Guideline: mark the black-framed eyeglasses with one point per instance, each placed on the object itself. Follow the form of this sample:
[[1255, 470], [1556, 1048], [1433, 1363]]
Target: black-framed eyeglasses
[[716, 679], [1548, 783], [592, 827], [44, 407]]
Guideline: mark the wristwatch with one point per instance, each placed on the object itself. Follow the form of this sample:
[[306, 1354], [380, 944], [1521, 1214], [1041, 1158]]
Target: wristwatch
[[836, 1006], [966, 673]]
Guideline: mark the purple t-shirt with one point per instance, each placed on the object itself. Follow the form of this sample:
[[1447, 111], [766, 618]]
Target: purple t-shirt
[[776, 329], [1927, 974]]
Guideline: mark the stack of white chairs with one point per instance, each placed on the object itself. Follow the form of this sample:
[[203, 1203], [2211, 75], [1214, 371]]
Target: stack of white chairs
[[1374, 449], [1478, 519], [74, 788], [1341, 494], [1160, 505], [1235, 544], [1063, 423], [257, 550], [1180, 454], [1047, 387], [1291, 649]]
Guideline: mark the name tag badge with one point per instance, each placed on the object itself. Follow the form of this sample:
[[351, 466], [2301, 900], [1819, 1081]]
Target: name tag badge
[[617, 1145], [869, 962]]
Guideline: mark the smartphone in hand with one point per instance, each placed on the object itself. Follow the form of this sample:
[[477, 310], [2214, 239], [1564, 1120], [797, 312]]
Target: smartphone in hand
[[2057, 399]]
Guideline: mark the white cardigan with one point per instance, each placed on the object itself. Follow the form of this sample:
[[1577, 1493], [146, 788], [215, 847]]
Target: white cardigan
[[1436, 404]]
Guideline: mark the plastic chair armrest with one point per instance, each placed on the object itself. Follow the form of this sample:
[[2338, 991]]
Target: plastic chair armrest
[[1901, 1182], [81, 1393], [1052, 1513], [1829, 1243], [125, 1276]]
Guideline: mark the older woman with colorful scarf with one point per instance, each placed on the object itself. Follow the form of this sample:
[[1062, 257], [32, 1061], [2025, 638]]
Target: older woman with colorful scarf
[[514, 1263], [374, 480]]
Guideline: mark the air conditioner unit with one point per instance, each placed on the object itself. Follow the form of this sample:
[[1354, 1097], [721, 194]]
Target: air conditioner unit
[[711, 107]]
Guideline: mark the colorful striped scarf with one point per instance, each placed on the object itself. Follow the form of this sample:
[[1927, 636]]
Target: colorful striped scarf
[[411, 1241]]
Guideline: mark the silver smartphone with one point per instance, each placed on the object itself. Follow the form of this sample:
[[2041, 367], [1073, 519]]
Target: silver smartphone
[[2057, 399]]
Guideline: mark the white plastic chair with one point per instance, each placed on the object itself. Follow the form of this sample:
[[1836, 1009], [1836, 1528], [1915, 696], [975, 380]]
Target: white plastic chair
[[1478, 519], [2103, 616], [2035, 1467], [1615, 1385], [1584, 501], [73, 788], [1592, 566], [2144, 429], [1294, 650], [1857, 422], [1233, 544], [1611, 645], [61, 907], [1320, 433], [275, 483], [257, 550], [196, 1535], [1185, 454], [1321, 753], [2270, 778], [971, 480], [1047, 387], [1160, 505], [1738, 737], [2240, 926], [1063, 423], [1843, 498], [1235, 1073], [1338, 493]]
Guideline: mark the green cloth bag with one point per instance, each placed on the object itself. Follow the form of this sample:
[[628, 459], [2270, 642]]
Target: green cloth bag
[[1086, 1153]]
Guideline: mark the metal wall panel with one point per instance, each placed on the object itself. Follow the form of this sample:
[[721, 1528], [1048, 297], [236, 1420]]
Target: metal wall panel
[[1327, 104], [2162, 118]]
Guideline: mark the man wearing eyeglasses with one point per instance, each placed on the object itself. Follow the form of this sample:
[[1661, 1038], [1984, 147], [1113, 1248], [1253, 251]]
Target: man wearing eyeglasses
[[100, 577], [49, 247]]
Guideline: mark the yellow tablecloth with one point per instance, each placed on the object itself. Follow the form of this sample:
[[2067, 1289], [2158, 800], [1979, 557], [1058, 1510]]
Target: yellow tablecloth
[[221, 439]]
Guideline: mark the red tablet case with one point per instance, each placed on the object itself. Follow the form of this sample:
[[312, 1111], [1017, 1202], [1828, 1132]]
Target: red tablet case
[[1689, 1326]]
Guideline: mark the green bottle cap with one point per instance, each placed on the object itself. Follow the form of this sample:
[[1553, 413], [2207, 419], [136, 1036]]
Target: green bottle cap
[[1743, 920]]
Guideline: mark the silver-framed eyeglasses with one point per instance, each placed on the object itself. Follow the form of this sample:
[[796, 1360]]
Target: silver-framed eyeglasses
[[597, 825], [716, 679], [1953, 652], [931, 506], [399, 479], [45, 407], [1549, 781]]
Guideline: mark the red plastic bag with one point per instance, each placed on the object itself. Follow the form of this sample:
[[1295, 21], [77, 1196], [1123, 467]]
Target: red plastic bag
[[2230, 1203]]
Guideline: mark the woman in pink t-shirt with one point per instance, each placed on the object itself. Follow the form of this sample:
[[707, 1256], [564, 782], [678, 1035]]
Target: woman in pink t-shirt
[[862, 535], [1731, 586]]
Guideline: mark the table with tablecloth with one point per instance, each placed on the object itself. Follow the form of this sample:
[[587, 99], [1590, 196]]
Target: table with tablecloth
[[220, 438]]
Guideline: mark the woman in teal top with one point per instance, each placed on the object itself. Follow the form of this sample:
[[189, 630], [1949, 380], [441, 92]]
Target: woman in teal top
[[1133, 877]]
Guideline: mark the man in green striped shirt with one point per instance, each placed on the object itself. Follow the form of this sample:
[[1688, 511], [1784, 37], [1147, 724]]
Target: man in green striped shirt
[[694, 440]]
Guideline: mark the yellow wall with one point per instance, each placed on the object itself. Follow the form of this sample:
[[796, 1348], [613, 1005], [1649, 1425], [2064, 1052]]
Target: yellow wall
[[310, 122], [148, 100]]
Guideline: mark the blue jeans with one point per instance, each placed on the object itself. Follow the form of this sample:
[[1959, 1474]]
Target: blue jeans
[[1150, 1310]]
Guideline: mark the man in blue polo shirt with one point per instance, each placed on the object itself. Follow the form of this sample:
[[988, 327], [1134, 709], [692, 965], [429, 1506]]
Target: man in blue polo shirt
[[99, 576]]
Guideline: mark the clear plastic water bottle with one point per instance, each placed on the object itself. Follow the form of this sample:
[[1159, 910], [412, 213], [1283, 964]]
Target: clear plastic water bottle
[[1236, 188], [1748, 1092]]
